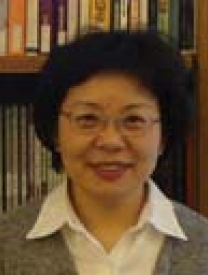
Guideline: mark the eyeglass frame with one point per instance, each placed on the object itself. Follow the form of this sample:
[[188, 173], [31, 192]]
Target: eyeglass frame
[[104, 121]]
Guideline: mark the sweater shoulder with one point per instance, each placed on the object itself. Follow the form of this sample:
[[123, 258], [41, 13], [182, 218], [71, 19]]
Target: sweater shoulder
[[15, 224], [194, 224]]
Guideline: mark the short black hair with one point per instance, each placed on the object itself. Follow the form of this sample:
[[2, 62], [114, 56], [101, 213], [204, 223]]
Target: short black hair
[[144, 54]]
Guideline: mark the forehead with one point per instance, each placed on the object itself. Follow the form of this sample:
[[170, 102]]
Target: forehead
[[111, 89]]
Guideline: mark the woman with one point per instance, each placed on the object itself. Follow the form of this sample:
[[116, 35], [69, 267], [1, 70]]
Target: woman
[[110, 107]]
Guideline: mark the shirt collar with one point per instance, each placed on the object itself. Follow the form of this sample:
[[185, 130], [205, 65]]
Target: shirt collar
[[162, 215], [57, 211]]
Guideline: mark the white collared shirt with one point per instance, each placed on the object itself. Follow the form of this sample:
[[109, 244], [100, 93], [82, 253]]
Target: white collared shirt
[[135, 253]]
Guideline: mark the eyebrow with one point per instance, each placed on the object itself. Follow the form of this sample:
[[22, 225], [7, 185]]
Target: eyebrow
[[126, 107]]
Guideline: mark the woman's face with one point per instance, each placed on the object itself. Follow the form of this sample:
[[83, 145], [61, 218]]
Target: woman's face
[[109, 136]]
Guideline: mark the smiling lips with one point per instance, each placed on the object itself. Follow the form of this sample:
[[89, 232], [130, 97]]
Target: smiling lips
[[110, 171]]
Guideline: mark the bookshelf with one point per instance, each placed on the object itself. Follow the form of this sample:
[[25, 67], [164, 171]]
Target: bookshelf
[[196, 189], [33, 64], [21, 64], [202, 97]]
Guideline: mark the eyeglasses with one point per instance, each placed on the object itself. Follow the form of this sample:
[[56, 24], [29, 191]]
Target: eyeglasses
[[92, 122]]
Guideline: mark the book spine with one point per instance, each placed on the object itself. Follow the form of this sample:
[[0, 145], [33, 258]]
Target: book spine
[[61, 21], [174, 22], [8, 157], [134, 13], [38, 166], [144, 14], [124, 11], [30, 153], [115, 19], [163, 13], [15, 153], [1, 159], [16, 27], [100, 11], [84, 16], [187, 25], [153, 14], [4, 153], [46, 24], [32, 27], [3, 26], [72, 20], [24, 163]]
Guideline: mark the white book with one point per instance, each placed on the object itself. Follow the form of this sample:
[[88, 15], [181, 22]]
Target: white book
[[84, 15], [3, 26], [72, 20], [124, 14], [144, 14], [32, 27]]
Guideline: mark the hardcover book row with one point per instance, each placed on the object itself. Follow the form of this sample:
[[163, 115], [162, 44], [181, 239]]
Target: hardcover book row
[[26, 172], [30, 27]]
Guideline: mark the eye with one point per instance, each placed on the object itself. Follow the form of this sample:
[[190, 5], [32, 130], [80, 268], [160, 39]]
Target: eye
[[134, 121], [88, 120]]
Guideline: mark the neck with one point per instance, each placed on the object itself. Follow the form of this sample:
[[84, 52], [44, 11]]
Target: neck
[[108, 219]]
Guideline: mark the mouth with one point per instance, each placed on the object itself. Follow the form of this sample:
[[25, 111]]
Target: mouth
[[110, 171]]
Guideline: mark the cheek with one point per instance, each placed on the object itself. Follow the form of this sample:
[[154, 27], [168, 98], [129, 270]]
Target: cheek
[[146, 152], [72, 150]]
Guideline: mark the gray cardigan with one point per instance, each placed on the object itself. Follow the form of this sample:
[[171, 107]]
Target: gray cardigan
[[50, 255]]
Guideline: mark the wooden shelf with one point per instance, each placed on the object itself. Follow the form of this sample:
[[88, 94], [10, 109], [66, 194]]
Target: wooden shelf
[[21, 64], [33, 64]]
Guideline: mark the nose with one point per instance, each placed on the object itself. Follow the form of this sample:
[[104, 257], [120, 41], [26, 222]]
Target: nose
[[110, 138]]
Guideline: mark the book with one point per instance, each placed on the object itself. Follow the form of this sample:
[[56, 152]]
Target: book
[[16, 27], [32, 27], [61, 28], [163, 13], [22, 156], [153, 14], [134, 12], [174, 22], [30, 153], [84, 16], [100, 11], [187, 25], [144, 14], [72, 20], [1, 160], [15, 153], [46, 25], [8, 157], [3, 26], [124, 14], [115, 15]]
